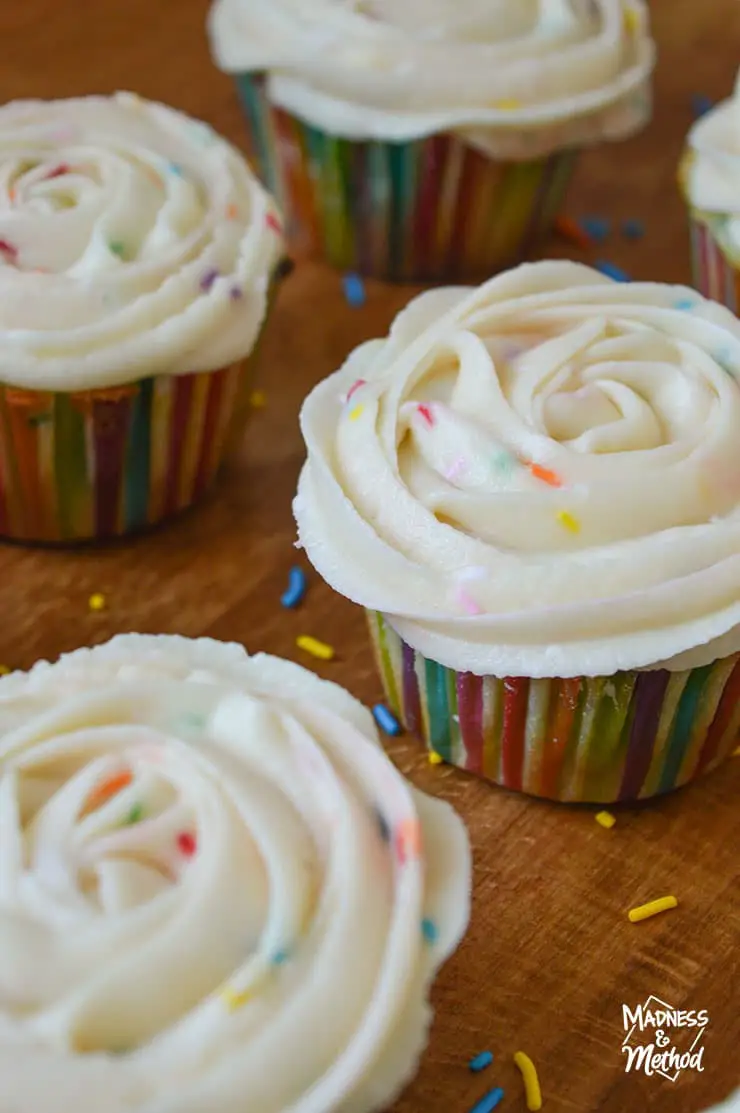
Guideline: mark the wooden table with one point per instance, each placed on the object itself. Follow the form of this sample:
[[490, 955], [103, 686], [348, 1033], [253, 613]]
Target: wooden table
[[550, 956]]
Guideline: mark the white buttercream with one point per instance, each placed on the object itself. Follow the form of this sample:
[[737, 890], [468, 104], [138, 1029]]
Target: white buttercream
[[518, 78], [115, 943], [135, 242], [731, 1105], [627, 393], [712, 170]]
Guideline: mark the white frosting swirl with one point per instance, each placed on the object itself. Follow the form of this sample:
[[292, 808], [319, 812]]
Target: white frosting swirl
[[133, 241], [711, 174], [518, 77], [540, 477], [731, 1105], [216, 892]]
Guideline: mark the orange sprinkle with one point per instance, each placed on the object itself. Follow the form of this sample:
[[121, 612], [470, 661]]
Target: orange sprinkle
[[11, 195], [231, 212], [570, 230], [547, 476], [408, 840], [108, 788]]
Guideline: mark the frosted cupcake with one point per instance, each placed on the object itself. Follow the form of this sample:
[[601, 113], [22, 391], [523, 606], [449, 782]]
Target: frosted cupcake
[[710, 181], [137, 252], [424, 140], [534, 489], [216, 888]]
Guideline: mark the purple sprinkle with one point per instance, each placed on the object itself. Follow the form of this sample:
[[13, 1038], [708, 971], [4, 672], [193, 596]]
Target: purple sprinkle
[[235, 293], [208, 279]]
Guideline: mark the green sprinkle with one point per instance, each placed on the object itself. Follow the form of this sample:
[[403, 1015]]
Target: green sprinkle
[[117, 248], [429, 930], [503, 462], [134, 815]]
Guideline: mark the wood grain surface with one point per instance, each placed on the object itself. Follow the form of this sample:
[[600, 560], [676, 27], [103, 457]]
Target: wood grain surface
[[550, 956]]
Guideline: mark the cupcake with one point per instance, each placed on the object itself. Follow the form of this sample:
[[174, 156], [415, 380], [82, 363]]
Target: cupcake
[[216, 888], [709, 178], [137, 252], [534, 489], [428, 141]]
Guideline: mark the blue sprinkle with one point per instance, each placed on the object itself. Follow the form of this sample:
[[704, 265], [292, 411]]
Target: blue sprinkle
[[208, 279], [480, 1062], [175, 168], [684, 303], [700, 104], [489, 1101], [386, 720], [429, 930], [596, 228], [354, 289], [296, 588], [280, 957], [633, 229], [612, 271]]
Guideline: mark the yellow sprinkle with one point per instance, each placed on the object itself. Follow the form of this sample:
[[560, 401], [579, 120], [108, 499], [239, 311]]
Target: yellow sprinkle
[[258, 399], [605, 819], [355, 413], [507, 105], [233, 999], [567, 520], [435, 758], [96, 602], [631, 20], [315, 647], [532, 1090], [645, 911], [4, 670]]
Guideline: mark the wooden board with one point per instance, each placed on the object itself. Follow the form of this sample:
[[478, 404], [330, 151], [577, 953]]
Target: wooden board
[[550, 957]]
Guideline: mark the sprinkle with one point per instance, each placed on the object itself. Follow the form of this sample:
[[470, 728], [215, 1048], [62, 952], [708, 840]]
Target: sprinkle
[[408, 840], [684, 304], [612, 271], [355, 386], [596, 227], [11, 195], [258, 399], [569, 229], [176, 169], [547, 476], [356, 412], [9, 249], [568, 522], [235, 293], [633, 229], [645, 911], [315, 647], [57, 172], [233, 999], [467, 603], [453, 471], [96, 602], [4, 670], [386, 720], [208, 279], [272, 222], [429, 930], [503, 462], [186, 844], [231, 212], [426, 412], [108, 789], [383, 827], [435, 758], [134, 815], [605, 819], [280, 957], [631, 26], [508, 104], [700, 104], [480, 1062], [116, 248], [532, 1090], [489, 1101], [296, 588], [354, 290]]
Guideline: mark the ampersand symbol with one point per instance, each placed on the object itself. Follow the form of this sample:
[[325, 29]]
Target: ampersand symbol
[[661, 1040]]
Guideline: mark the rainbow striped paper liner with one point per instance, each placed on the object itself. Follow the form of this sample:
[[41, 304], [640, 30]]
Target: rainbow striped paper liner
[[714, 274], [602, 739], [425, 210], [99, 464]]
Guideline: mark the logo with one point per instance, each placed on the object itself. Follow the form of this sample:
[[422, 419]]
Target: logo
[[662, 1040]]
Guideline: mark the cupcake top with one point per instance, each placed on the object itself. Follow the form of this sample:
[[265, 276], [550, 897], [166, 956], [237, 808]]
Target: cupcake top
[[519, 77], [711, 173], [215, 888], [133, 241], [538, 477]]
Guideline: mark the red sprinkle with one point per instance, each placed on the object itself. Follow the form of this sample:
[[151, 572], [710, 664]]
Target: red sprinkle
[[9, 249], [272, 222], [354, 387], [547, 476], [57, 172], [426, 413], [187, 844], [569, 229]]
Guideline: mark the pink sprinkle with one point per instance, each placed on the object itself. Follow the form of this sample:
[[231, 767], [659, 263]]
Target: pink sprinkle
[[354, 387], [186, 844], [57, 172], [272, 222], [467, 602], [454, 469], [8, 249], [208, 279], [426, 413]]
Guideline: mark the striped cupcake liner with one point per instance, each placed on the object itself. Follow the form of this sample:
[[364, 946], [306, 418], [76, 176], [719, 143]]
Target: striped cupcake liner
[[714, 275], [601, 739], [99, 464], [426, 210]]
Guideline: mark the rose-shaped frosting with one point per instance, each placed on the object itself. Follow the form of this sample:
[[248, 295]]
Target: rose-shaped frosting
[[711, 172], [216, 892], [518, 77], [133, 241], [538, 477]]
